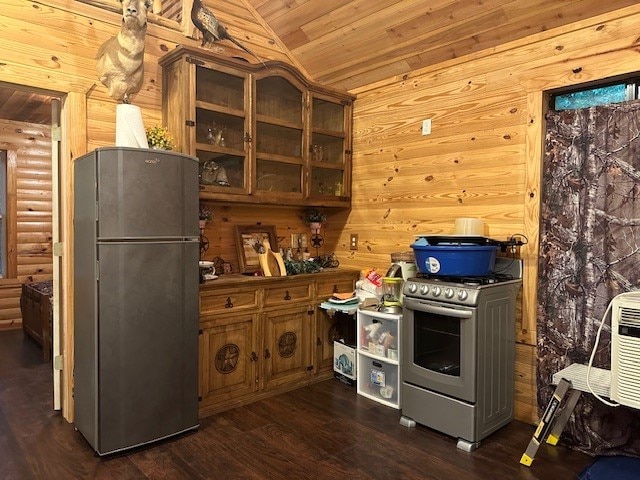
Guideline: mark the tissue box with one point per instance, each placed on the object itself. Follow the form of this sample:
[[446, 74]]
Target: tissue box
[[344, 362]]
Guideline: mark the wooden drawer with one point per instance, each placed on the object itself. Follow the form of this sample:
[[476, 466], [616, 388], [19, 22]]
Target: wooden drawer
[[228, 300], [288, 294], [341, 284]]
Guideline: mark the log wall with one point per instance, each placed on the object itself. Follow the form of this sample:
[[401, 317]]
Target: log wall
[[29, 219], [483, 156]]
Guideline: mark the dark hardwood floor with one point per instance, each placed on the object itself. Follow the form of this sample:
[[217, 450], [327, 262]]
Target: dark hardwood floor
[[325, 431]]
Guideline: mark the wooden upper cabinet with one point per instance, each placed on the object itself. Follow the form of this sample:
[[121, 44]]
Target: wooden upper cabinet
[[263, 134]]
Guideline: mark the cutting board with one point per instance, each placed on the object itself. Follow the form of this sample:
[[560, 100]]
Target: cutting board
[[271, 262]]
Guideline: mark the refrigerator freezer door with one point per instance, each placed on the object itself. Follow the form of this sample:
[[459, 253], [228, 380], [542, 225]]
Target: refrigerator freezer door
[[146, 193], [148, 342]]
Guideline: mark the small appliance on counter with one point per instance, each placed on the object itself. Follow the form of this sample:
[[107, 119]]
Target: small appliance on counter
[[391, 295], [403, 266]]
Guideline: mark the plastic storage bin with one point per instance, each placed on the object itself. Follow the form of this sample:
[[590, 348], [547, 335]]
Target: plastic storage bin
[[379, 368], [378, 334], [456, 260], [379, 380]]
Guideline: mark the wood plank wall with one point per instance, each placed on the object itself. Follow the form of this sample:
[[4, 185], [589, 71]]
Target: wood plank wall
[[288, 220], [31, 225], [483, 157]]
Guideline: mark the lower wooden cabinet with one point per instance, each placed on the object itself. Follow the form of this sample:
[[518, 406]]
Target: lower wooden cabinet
[[260, 336], [331, 326], [228, 359], [287, 346]]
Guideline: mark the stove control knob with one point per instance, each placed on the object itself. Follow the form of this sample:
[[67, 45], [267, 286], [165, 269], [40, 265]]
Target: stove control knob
[[413, 288], [448, 292], [436, 291], [462, 295], [424, 289]]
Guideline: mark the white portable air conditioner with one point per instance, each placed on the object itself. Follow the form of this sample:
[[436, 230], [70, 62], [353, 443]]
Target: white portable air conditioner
[[625, 349]]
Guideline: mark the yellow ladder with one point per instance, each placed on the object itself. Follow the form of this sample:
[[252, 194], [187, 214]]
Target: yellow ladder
[[555, 417]]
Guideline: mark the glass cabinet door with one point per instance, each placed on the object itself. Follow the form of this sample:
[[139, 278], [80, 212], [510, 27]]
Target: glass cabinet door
[[220, 131], [328, 149], [279, 136]]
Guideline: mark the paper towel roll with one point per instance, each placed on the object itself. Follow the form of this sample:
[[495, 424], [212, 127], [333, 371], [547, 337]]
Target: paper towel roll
[[129, 127], [469, 227]]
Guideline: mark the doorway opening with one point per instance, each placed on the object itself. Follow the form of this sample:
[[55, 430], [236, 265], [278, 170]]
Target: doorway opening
[[30, 139]]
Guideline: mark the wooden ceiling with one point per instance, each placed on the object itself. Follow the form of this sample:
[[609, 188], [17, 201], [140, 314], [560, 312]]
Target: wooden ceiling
[[349, 44], [352, 43], [24, 106]]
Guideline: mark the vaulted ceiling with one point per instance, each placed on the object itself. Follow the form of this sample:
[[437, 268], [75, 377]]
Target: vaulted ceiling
[[352, 43], [349, 44]]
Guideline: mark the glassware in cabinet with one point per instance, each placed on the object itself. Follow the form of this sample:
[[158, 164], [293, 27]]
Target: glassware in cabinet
[[330, 131]]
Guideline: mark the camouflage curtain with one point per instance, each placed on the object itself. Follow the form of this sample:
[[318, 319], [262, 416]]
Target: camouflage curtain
[[589, 243]]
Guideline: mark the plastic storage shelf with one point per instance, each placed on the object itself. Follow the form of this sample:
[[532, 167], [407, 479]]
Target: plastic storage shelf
[[378, 352]]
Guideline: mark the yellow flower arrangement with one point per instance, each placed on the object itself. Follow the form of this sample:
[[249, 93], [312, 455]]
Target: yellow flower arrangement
[[159, 137]]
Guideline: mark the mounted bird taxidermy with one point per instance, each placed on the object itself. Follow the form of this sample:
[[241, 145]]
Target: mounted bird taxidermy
[[212, 30], [120, 60]]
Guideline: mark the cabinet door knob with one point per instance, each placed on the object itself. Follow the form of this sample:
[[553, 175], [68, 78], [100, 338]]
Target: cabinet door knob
[[247, 138], [254, 357], [267, 353]]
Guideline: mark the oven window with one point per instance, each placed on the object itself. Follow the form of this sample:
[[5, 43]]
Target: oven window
[[436, 343]]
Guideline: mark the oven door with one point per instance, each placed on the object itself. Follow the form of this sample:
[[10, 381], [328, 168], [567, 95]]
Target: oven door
[[439, 348]]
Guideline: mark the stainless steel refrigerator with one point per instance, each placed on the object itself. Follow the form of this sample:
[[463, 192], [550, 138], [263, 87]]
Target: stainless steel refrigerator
[[136, 251]]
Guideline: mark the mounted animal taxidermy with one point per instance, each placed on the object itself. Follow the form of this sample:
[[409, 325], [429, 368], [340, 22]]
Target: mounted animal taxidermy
[[120, 60], [212, 30]]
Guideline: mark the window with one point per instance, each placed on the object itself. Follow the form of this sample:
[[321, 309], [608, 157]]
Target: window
[[585, 97]]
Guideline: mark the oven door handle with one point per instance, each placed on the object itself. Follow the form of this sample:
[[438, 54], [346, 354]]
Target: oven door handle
[[430, 308]]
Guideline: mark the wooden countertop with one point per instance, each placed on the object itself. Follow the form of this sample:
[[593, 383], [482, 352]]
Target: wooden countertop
[[233, 279]]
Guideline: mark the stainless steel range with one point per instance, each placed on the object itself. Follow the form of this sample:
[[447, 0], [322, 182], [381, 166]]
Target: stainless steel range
[[458, 351]]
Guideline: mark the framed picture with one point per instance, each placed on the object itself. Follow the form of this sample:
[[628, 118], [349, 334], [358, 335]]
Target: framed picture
[[249, 243]]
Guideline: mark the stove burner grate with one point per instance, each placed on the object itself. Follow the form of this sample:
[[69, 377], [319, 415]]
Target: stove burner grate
[[467, 280]]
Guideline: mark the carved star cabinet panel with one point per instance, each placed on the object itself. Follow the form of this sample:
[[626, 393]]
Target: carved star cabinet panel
[[228, 359], [263, 134], [287, 345]]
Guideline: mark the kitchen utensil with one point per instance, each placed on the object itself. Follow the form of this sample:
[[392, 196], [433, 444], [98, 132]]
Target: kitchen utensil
[[271, 262], [458, 260]]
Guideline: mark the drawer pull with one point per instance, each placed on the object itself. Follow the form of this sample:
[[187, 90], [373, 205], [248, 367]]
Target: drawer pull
[[229, 303], [377, 364], [254, 357], [286, 295], [267, 353]]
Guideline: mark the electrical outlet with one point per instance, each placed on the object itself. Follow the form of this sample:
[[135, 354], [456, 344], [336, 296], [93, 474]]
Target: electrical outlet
[[426, 127], [353, 241]]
